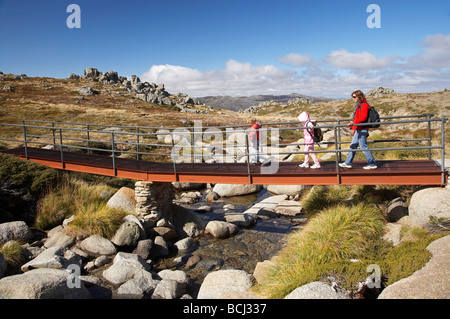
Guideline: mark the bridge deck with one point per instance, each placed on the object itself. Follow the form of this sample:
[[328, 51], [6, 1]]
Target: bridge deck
[[410, 172]]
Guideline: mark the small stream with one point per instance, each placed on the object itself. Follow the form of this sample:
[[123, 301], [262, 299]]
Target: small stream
[[241, 251]]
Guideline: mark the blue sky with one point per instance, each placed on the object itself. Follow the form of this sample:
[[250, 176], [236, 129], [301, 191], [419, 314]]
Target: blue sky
[[229, 47]]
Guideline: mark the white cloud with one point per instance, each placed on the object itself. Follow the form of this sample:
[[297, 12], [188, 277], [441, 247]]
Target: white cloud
[[436, 52], [343, 59], [336, 75], [235, 79], [296, 59], [170, 73]]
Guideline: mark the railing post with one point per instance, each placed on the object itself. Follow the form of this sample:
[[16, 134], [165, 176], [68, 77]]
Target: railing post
[[25, 139], [429, 136], [137, 143], [443, 150], [174, 157], [337, 147], [88, 139], [247, 152], [53, 134], [113, 149], [338, 139], [61, 149]]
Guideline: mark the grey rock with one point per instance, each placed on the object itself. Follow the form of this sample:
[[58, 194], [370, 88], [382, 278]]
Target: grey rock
[[126, 266], [42, 284], [221, 282], [266, 204], [240, 219], [177, 275], [430, 282], [315, 290], [289, 208], [86, 90], [290, 190], [169, 289], [380, 92], [59, 238], [3, 265], [49, 258], [124, 199], [430, 204], [137, 288], [221, 229], [128, 234], [97, 245], [101, 261], [91, 73], [143, 248], [185, 244], [17, 230], [229, 190]]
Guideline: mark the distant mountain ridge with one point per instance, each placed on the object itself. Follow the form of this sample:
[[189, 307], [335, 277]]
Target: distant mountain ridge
[[237, 103]]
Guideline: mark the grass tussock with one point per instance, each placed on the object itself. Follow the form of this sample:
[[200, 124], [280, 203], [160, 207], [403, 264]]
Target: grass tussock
[[345, 223], [96, 220], [336, 234], [12, 252], [73, 197]]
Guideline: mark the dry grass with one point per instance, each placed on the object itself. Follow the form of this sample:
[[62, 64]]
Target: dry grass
[[58, 100], [12, 252], [336, 234], [69, 198], [96, 219]]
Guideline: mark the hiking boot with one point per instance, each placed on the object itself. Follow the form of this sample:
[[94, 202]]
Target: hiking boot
[[370, 166], [316, 166], [345, 165]]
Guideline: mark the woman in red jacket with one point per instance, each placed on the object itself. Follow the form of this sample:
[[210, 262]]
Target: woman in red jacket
[[360, 132]]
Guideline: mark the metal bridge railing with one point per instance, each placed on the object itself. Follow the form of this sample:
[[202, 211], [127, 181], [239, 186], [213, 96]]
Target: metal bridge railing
[[204, 144]]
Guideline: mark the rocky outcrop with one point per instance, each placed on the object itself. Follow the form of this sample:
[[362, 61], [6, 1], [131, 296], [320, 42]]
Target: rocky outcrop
[[379, 92], [149, 92]]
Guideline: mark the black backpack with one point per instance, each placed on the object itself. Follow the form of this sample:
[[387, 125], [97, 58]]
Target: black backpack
[[317, 133], [372, 117]]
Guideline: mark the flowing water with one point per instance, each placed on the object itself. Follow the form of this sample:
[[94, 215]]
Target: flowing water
[[241, 251]]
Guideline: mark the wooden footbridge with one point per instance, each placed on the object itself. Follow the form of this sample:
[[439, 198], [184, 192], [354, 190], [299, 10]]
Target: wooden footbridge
[[222, 154]]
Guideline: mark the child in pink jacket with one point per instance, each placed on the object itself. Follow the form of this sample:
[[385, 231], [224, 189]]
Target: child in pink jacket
[[308, 140]]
